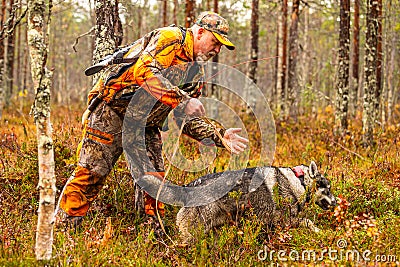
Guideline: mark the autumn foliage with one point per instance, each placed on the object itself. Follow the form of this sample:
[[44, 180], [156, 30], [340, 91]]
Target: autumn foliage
[[366, 182]]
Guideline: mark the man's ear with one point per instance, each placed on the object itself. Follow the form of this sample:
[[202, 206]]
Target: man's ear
[[200, 32]]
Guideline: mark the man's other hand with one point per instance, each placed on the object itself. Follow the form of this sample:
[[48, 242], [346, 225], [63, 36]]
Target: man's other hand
[[235, 141], [194, 108]]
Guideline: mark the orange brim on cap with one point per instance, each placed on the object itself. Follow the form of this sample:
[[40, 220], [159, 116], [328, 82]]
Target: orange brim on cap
[[225, 41]]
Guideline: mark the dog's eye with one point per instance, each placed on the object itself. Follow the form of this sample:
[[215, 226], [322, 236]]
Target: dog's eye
[[321, 184]]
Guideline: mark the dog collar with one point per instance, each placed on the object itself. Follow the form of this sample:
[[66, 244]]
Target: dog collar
[[298, 171]]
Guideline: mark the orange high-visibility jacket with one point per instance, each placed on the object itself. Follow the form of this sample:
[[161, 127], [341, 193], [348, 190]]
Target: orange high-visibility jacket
[[163, 53]]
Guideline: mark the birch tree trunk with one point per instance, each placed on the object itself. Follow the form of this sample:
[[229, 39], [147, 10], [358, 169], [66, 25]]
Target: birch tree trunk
[[370, 85], [353, 104], [37, 41], [293, 86], [342, 87]]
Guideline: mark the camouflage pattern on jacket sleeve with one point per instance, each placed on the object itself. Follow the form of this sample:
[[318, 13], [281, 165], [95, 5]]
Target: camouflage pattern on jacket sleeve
[[202, 131], [197, 128]]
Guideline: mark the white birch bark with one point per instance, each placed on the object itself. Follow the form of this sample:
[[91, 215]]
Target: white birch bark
[[41, 112]]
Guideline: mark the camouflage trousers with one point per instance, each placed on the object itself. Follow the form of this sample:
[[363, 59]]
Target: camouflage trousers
[[98, 152]]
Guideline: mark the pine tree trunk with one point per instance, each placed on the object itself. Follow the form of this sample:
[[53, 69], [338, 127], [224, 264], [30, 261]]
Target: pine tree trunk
[[41, 112], [276, 76], [282, 65], [118, 30], [2, 91], [379, 63], [306, 58], [189, 11], [215, 94], [390, 79], [370, 85], [175, 12], [9, 64], [19, 55], [293, 86], [253, 55], [107, 23], [353, 104], [342, 87], [254, 42], [25, 68], [164, 15]]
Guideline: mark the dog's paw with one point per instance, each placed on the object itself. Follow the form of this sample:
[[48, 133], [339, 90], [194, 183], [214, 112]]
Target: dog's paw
[[316, 229]]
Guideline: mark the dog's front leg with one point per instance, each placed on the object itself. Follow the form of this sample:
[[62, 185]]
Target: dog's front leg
[[309, 224]]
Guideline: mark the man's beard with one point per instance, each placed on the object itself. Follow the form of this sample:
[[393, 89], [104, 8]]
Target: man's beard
[[201, 57]]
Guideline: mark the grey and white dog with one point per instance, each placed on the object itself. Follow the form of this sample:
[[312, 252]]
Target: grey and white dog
[[279, 198]]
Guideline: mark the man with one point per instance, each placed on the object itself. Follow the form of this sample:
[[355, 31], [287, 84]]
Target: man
[[153, 83]]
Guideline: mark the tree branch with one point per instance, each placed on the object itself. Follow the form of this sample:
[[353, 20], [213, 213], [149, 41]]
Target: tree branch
[[80, 36], [348, 150], [9, 29]]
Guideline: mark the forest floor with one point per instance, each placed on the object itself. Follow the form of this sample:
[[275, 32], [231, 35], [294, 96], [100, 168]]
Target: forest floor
[[363, 229]]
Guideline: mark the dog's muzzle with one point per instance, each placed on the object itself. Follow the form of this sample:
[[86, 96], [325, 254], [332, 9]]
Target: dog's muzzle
[[325, 199]]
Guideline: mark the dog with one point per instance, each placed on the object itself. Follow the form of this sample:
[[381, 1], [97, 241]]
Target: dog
[[280, 196]]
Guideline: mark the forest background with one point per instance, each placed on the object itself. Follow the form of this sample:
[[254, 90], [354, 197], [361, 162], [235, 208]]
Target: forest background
[[329, 71]]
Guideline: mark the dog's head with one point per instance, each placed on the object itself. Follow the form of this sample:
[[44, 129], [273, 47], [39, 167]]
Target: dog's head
[[323, 196]]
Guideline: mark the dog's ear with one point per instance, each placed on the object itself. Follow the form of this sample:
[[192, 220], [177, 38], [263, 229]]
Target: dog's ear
[[313, 170]]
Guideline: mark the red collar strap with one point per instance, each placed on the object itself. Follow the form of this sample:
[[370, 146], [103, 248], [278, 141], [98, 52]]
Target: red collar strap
[[298, 171]]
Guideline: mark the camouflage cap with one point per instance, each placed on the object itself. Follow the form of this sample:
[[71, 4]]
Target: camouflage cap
[[216, 24]]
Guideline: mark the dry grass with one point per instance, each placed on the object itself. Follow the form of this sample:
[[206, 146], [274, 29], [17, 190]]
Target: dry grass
[[366, 179]]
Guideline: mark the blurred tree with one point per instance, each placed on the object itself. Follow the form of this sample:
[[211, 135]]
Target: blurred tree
[[190, 12], [370, 82], [214, 87], [252, 68], [10, 49], [175, 12], [38, 49], [282, 62], [165, 12], [342, 86], [254, 41], [392, 36], [2, 91], [379, 63], [293, 86], [356, 57]]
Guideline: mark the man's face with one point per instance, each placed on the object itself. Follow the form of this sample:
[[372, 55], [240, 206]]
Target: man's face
[[206, 45]]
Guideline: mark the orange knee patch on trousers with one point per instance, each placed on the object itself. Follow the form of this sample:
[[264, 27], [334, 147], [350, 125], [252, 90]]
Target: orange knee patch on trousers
[[80, 191], [151, 206]]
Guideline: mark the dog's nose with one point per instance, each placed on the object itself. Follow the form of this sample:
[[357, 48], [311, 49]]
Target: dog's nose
[[335, 201]]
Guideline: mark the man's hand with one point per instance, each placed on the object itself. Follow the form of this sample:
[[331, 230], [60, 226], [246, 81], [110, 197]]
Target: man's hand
[[234, 141], [194, 108]]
